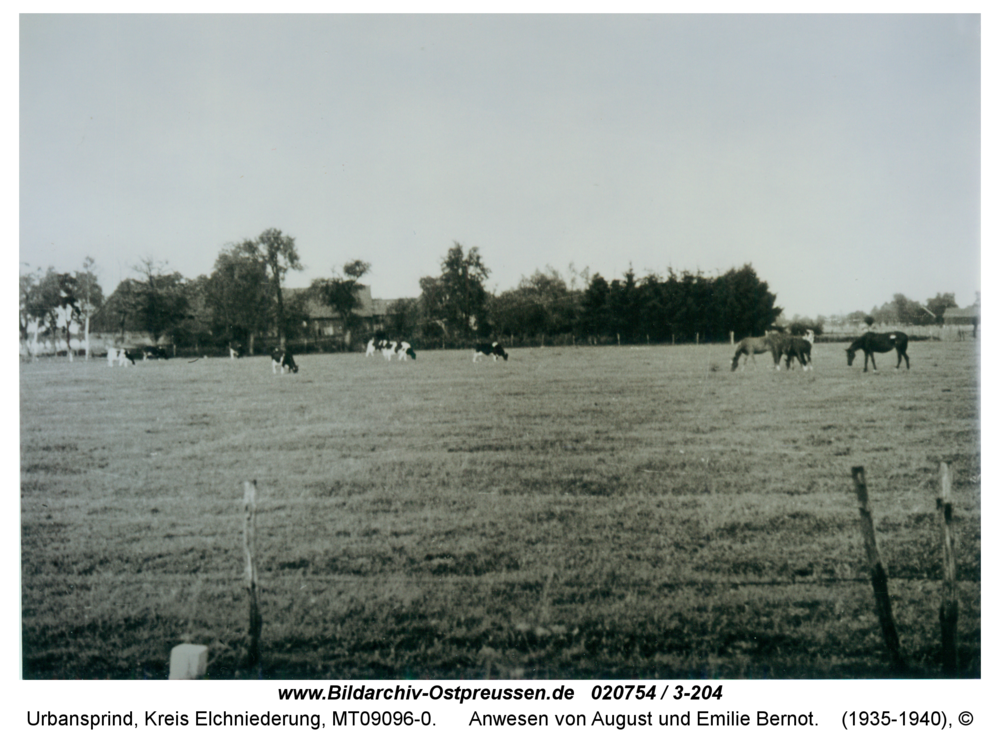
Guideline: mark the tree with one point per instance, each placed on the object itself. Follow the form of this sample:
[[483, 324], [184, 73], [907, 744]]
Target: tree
[[402, 318], [89, 297], [47, 302], [940, 303], [281, 256], [542, 305], [463, 293], [340, 293], [594, 312], [278, 254], [161, 301], [238, 294], [744, 304], [433, 325]]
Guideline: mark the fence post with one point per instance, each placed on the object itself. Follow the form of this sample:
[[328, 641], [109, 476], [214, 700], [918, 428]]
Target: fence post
[[250, 579], [880, 581], [949, 588], [188, 662], [732, 338]]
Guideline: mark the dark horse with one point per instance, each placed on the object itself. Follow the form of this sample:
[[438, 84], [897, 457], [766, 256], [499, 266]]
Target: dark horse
[[872, 342]]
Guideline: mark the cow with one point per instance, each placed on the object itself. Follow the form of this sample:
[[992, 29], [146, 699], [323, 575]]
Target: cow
[[125, 356], [282, 359], [112, 356], [404, 350], [155, 353], [234, 350], [370, 351], [494, 350]]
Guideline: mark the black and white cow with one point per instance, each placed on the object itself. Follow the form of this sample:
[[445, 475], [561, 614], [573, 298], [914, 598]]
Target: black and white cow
[[154, 353], [403, 350], [494, 350], [283, 359]]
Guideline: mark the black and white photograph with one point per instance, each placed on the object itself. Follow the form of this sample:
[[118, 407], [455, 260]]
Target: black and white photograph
[[508, 347]]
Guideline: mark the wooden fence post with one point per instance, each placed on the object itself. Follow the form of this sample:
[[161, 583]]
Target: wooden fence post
[[880, 581], [250, 578], [188, 662], [949, 588]]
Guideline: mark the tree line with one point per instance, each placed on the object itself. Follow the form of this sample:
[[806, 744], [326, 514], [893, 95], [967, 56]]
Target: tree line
[[245, 301]]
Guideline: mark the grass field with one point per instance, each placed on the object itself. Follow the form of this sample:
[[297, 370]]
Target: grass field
[[572, 513]]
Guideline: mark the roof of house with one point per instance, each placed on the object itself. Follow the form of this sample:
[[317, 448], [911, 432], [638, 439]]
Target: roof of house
[[971, 312], [368, 307]]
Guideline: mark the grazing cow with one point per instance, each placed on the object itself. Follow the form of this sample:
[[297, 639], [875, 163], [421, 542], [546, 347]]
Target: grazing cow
[[494, 350], [872, 342], [282, 359], [404, 350], [155, 353]]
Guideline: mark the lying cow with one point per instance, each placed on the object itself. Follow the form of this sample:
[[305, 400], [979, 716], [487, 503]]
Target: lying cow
[[283, 359], [494, 349]]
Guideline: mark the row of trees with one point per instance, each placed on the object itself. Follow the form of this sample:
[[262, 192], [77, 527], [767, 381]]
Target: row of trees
[[244, 299]]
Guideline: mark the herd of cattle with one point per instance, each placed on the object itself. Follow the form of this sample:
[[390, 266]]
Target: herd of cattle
[[778, 345]]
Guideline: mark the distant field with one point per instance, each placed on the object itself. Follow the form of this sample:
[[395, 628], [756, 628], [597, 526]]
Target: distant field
[[572, 513]]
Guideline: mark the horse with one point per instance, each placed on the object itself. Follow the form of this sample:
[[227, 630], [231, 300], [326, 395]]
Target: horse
[[800, 348], [751, 346], [872, 342]]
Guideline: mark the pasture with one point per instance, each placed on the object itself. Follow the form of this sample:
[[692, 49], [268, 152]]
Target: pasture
[[571, 513]]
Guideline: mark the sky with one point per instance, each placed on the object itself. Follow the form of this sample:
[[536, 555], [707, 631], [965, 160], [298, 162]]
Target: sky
[[837, 154]]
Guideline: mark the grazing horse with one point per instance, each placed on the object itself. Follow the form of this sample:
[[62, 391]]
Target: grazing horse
[[872, 342], [799, 347], [751, 346]]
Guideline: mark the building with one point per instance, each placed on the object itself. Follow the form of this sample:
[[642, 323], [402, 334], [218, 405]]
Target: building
[[323, 321], [963, 317]]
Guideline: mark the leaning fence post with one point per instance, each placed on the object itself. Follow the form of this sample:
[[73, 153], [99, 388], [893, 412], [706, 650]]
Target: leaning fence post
[[880, 581], [949, 588], [250, 578]]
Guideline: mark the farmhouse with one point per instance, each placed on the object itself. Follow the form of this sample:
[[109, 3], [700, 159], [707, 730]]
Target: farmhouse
[[322, 320], [963, 317]]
